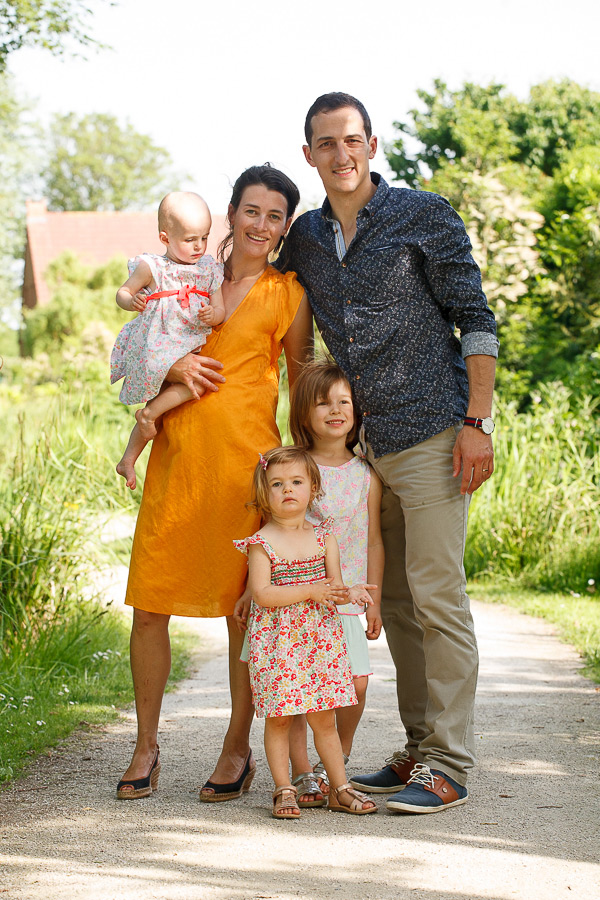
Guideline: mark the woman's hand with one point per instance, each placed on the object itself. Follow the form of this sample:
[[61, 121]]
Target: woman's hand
[[198, 373], [359, 594], [328, 594]]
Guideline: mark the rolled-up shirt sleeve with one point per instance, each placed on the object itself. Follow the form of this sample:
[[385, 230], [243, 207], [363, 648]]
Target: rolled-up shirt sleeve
[[455, 278]]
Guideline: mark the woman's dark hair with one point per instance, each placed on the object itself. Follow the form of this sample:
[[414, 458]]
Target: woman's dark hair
[[329, 103], [274, 180]]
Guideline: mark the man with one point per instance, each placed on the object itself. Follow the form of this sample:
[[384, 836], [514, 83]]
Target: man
[[389, 274]]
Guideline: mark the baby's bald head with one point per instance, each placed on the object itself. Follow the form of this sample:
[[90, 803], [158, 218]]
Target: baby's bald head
[[183, 211]]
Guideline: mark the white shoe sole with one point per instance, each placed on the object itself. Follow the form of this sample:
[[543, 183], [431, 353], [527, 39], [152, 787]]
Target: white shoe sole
[[369, 789], [398, 806]]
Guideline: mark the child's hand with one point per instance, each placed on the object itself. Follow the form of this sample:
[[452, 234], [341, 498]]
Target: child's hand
[[328, 594], [207, 315], [241, 611], [359, 594], [138, 302], [374, 622]]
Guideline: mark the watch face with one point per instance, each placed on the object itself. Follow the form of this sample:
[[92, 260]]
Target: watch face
[[487, 425]]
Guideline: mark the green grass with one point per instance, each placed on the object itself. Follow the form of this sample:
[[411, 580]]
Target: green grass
[[64, 657], [40, 706], [577, 616], [538, 519]]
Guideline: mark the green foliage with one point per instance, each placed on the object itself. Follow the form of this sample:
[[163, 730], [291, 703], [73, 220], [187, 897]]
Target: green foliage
[[16, 165], [538, 520], [63, 656], [482, 127], [95, 164], [82, 316], [524, 176], [43, 23]]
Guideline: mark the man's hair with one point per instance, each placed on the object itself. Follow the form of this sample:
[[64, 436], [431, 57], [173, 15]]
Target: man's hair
[[282, 456], [330, 102], [312, 385]]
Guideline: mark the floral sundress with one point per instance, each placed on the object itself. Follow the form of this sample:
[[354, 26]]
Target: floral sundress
[[297, 654], [168, 328]]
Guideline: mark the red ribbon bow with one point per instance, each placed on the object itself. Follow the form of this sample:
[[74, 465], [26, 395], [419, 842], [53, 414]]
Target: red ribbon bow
[[183, 295]]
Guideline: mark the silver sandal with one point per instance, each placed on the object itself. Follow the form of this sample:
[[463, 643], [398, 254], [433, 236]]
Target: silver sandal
[[307, 784]]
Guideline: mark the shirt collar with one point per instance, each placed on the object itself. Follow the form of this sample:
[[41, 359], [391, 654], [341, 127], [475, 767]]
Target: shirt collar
[[374, 204]]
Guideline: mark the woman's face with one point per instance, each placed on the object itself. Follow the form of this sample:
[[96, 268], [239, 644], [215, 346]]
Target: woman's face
[[259, 222]]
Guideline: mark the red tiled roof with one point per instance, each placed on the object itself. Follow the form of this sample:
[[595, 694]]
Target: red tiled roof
[[96, 237]]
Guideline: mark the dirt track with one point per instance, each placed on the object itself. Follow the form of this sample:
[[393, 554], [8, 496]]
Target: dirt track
[[530, 829]]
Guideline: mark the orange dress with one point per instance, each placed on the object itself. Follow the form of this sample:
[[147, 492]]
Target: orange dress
[[199, 476]]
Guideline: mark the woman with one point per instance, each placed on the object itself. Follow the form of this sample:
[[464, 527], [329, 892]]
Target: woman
[[199, 474]]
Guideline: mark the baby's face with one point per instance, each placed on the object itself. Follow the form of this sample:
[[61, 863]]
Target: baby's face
[[186, 237]]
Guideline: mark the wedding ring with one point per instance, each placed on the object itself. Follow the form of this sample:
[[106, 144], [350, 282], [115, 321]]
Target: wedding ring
[[485, 470]]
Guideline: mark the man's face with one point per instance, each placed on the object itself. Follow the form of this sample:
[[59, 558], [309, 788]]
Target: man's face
[[340, 150]]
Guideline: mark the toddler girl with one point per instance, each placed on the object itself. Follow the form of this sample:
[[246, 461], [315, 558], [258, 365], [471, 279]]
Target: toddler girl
[[178, 298], [322, 421], [296, 651]]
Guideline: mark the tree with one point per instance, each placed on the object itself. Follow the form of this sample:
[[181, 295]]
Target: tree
[[482, 127], [95, 164], [42, 23], [16, 164], [524, 177]]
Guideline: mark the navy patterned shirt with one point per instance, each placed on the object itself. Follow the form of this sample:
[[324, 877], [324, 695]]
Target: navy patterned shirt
[[387, 307]]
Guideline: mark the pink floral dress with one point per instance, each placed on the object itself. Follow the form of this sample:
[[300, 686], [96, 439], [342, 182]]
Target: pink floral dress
[[296, 654], [167, 329]]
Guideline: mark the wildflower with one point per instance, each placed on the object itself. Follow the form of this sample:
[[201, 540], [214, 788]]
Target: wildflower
[[40, 723]]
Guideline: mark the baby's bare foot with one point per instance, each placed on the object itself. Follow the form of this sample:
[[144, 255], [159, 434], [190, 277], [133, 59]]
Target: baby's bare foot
[[127, 470], [146, 424]]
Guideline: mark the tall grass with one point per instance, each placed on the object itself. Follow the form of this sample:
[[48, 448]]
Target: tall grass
[[538, 518], [63, 654]]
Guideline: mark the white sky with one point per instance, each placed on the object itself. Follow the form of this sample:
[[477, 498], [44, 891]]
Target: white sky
[[226, 85]]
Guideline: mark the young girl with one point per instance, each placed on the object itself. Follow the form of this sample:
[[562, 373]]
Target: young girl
[[296, 651], [178, 298], [322, 421]]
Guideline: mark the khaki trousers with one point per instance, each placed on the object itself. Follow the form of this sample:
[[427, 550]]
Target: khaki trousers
[[425, 607]]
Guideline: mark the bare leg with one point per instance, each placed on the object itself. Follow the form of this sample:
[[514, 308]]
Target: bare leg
[[348, 717], [237, 739], [277, 748], [170, 397], [328, 746], [299, 754], [150, 667], [126, 465], [145, 428], [327, 743]]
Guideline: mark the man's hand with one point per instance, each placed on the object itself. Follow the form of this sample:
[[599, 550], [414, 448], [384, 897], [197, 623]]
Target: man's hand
[[198, 373], [474, 454]]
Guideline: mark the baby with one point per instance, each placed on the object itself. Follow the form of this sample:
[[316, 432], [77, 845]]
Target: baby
[[178, 299]]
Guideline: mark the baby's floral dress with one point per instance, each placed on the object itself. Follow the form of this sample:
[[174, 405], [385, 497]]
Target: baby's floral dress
[[167, 329], [297, 654]]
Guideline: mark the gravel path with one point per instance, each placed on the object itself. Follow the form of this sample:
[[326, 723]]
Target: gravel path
[[530, 829]]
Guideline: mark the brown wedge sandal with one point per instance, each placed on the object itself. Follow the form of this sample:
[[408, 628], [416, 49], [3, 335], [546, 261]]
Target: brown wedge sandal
[[285, 798], [357, 800]]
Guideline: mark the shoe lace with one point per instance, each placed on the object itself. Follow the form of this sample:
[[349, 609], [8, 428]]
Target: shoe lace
[[422, 774], [399, 756]]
